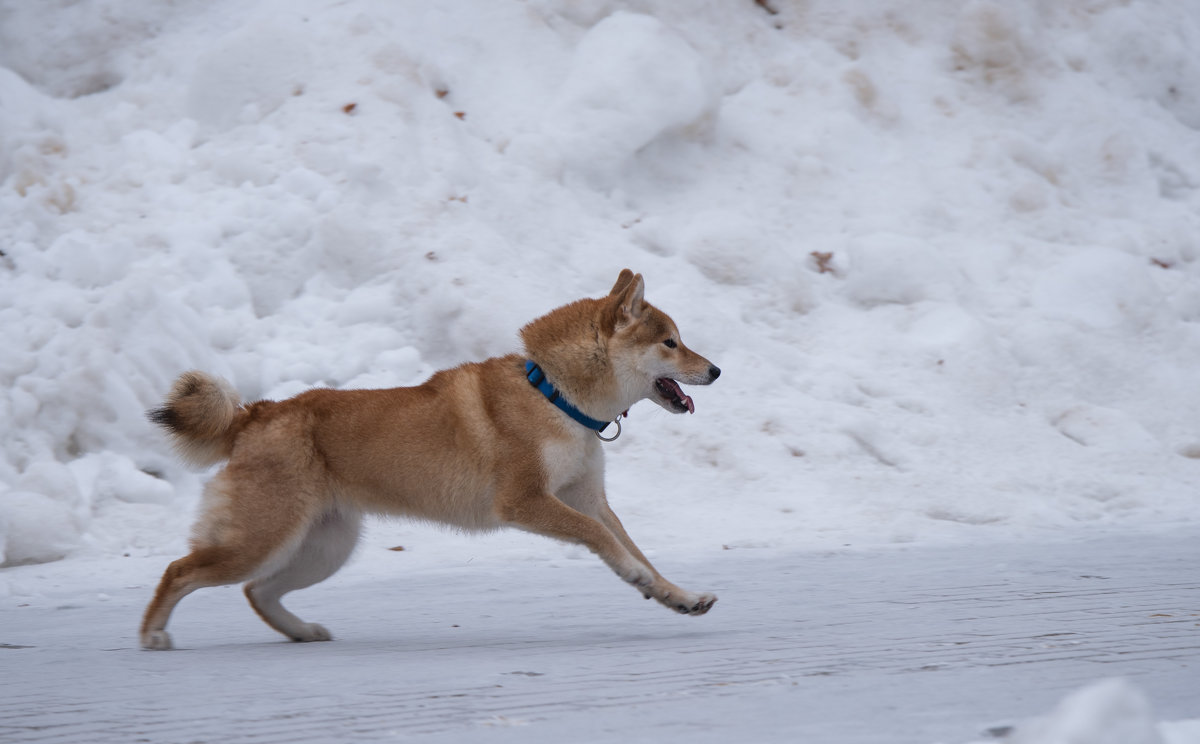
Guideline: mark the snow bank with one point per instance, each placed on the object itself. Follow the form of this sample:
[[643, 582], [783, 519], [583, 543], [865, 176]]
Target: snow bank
[[947, 259], [1108, 712], [1111, 711], [631, 79]]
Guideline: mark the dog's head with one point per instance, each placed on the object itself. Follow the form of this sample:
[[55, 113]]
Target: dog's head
[[648, 357]]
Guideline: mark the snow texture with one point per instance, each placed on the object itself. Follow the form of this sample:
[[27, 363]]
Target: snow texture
[[912, 644], [947, 256], [1108, 712]]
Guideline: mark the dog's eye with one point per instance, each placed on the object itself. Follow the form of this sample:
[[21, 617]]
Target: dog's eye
[[670, 343]]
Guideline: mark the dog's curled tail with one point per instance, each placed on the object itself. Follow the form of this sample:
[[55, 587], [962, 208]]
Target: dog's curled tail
[[203, 414]]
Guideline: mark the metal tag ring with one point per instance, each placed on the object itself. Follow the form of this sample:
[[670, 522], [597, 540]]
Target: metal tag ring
[[614, 436]]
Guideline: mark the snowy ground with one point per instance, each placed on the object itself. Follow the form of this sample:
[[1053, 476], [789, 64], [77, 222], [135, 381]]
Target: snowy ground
[[908, 645], [945, 253]]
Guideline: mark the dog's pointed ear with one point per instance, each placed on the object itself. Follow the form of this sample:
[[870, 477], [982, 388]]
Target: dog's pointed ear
[[623, 280], [631, 301]]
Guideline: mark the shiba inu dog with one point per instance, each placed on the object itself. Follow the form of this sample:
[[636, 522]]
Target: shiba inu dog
[[508, 442]]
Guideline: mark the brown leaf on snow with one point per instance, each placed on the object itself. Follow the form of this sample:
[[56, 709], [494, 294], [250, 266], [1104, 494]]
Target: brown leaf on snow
[[824, 262]]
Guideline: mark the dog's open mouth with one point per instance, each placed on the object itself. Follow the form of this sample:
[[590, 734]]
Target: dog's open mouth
[[674, 395]]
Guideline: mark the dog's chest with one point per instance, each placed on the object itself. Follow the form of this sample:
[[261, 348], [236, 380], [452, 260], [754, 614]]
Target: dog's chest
[[570, 461]]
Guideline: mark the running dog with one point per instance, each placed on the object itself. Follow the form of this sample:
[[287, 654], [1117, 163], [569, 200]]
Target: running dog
[[513, 441]]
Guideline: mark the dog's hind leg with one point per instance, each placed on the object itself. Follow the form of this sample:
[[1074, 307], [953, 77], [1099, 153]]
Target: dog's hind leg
[[252, 519], [211, 566], [325, 547]]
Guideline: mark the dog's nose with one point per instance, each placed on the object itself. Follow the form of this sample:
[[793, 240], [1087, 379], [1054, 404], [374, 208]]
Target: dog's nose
[[714, 371]]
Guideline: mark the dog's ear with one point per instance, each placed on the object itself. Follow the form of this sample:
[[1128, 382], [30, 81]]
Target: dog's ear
[[631, 302], [623, 280]]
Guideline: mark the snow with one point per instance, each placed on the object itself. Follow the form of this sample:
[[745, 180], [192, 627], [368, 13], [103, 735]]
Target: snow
[[911, 644], [946, 258], [1108, 712]]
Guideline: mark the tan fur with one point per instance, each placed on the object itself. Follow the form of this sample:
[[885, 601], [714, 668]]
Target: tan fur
[[476, 447]]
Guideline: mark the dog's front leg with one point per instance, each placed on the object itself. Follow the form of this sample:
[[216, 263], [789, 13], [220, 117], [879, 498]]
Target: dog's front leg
[[546, 515], [678, 599]]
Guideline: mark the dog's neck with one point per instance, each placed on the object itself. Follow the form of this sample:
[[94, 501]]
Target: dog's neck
[[588, 387], [537, 377], [569, 344]]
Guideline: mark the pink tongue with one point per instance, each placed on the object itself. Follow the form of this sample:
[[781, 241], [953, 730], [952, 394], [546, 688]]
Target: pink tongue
[[687, 400]]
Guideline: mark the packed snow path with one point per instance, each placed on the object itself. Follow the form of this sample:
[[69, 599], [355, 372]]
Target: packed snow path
[[914, 645]]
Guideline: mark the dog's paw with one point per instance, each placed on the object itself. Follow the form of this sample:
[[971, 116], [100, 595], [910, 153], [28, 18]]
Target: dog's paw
[[311, 632], [688, 603], [156, 640], [703, 604]]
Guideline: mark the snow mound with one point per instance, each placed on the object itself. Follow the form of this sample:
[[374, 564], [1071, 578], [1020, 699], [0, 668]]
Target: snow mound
[[250, 72], [631, 79], [947, 260], [1111, 711]]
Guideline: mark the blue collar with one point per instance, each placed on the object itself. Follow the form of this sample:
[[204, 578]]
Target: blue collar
[[537, 378]]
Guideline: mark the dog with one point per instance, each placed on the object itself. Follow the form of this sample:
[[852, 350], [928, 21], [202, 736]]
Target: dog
[[514, 441]]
